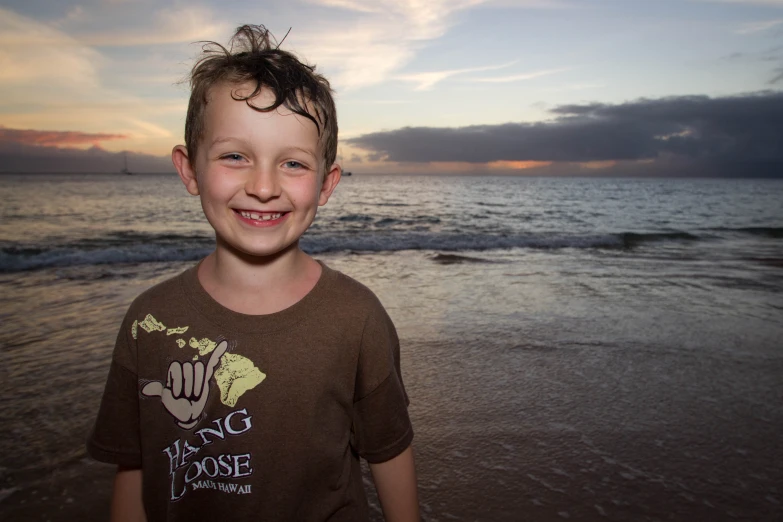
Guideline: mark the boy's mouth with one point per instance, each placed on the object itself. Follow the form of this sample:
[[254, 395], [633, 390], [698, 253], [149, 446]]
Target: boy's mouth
[[260, 216]]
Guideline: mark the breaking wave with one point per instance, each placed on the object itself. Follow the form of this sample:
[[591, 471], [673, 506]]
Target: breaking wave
[[123, 247]]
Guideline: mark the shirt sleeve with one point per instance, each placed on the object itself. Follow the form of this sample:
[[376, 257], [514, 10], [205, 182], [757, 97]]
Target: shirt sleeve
[[115, 436], [381, 425]]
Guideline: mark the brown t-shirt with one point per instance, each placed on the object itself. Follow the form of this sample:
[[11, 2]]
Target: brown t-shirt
[[241, 417]]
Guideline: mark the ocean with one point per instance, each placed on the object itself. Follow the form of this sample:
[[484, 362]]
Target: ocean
[[574, 349]]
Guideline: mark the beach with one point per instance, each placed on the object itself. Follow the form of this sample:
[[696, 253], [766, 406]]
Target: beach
[[573, 349]]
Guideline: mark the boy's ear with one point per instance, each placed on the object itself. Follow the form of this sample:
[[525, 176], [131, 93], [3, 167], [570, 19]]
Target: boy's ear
[[331, 179], [179, 156]]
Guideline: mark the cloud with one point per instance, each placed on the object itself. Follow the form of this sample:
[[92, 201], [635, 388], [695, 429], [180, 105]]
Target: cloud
[[518, 77], [41, 151], [54, 138], [32, 52], [757, 27], [517, 165], [770, 55], [427, 80], [74, 14], [185, 24], [706, 133], [425, 19], [52, 80], [537, 4], [377, 39], [772, 3]]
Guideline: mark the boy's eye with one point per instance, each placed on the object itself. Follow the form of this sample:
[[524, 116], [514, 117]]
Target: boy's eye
[[293, 164], [232, 157]]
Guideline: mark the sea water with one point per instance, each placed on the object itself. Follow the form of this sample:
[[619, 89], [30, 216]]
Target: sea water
[[586, 349]]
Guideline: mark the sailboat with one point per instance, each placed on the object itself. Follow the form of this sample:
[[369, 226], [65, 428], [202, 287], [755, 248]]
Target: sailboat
[[125, 167], [340, 160]]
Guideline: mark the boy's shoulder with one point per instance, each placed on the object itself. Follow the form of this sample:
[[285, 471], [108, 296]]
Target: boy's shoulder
[[353, 303], [353, 296], [164, 295], [348, 288]]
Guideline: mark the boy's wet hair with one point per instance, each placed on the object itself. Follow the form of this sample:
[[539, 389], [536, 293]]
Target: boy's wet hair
[[251, 57]]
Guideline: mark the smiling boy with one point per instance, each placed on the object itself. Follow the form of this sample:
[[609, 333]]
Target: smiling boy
[[248, 386]]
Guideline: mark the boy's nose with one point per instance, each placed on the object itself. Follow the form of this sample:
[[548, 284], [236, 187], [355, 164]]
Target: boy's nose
[[263, 183]]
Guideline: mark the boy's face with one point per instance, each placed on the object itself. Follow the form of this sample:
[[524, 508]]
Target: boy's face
[[259, 174]]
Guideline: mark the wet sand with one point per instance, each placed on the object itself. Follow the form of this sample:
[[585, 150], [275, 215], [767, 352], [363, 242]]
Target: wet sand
[[75, 493], [532, 399], [546, 437]]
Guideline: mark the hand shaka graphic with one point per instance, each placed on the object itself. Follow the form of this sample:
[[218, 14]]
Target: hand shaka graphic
[[187, 387]]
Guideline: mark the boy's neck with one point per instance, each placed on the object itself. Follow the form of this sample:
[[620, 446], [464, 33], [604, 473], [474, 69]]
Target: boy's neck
[[258, 286]]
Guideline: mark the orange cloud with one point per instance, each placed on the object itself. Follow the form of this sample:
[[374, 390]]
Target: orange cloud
[[593, 165], [517, 165], [43, 138]]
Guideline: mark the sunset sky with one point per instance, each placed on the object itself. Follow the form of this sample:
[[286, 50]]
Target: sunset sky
[[647, 87]]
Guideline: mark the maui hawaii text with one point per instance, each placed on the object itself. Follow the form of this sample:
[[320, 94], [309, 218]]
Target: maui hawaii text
[[181, 465]]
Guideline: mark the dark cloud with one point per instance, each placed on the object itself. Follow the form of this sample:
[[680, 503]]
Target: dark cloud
[[773, 54], [735, 56], [54, 138], [720, 135], [21, 158], [770, 55]]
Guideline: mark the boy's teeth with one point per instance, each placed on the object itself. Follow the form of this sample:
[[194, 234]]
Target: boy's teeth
[[259, 217]]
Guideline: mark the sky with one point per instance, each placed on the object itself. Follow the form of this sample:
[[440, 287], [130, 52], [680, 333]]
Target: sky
[[526, 87]]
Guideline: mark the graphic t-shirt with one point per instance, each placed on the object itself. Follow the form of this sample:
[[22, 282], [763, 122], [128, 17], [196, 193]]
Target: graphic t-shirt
[[243, 417]]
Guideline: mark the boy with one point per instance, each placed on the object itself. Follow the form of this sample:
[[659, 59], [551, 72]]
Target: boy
[[247, 387]]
